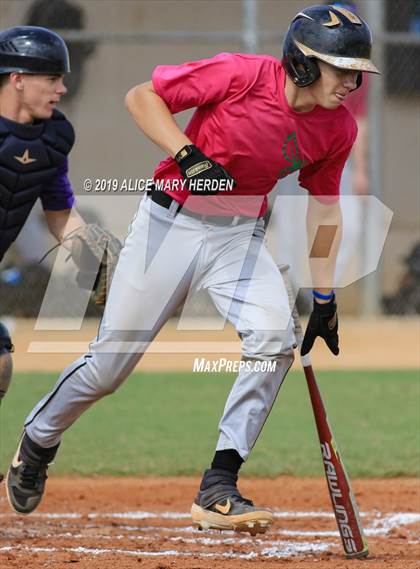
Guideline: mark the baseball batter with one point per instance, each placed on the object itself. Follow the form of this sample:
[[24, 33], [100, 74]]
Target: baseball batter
[[190, 235]]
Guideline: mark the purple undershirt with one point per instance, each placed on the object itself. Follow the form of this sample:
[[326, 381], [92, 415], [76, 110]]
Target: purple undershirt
[[58, 194]]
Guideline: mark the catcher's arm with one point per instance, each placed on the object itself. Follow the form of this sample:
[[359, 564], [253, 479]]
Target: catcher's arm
[[61, 223], [94, 250]]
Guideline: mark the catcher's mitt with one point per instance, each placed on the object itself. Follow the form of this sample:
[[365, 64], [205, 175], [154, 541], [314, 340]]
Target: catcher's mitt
[[91, 244]]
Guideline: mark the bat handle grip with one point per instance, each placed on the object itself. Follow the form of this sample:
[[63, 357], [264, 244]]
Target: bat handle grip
[[306, 360]]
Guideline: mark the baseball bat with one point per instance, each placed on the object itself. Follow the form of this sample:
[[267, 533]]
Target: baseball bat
[[341, 494], [342, 497]]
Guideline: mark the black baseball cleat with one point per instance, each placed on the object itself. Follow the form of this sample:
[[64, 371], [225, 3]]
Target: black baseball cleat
[[25, 482], [219, 505]]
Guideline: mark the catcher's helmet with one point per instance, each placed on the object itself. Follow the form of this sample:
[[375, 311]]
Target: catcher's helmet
[[30, 49], [332, 34]]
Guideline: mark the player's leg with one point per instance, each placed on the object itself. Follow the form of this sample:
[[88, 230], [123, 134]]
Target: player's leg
[[139, 303], [6, 364], [256, 303]]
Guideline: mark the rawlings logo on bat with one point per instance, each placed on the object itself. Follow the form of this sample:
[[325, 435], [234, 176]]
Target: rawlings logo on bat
[[340, 511]]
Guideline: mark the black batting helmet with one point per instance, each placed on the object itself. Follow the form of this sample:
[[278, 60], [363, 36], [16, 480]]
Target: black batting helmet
[[30, 49], [332, 34]]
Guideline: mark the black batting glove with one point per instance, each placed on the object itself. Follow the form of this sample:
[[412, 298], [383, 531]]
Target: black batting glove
[[197, 168], [323, 322]]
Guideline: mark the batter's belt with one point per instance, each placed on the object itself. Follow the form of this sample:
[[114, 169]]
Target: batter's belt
[[162, 199]]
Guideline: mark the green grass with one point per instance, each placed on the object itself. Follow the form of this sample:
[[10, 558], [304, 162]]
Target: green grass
[[166, 424]]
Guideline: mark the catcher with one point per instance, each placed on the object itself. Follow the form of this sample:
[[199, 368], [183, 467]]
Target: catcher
[[35, 140]]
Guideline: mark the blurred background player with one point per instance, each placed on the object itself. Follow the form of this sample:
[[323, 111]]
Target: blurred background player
[[35, 139]]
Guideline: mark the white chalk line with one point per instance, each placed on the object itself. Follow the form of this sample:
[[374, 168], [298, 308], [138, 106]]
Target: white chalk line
[[393, 521], [182, 539], [369, 531], [389, 522], [289, 549], [380, 525]]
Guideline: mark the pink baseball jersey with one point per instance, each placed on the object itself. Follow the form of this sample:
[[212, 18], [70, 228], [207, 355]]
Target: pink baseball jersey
[[244, 122]]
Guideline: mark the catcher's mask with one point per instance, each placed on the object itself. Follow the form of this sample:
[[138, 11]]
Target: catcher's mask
[[333, 34]]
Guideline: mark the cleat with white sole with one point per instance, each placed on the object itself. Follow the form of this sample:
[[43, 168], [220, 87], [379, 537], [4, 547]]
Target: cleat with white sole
[[253, 522], [219, 505]]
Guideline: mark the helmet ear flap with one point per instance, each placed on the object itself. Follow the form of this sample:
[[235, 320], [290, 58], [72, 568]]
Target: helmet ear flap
[[359, 80], [305, 71]]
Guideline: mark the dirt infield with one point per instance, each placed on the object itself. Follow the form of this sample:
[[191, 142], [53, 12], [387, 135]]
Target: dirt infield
[[380, 343], [144, 523]]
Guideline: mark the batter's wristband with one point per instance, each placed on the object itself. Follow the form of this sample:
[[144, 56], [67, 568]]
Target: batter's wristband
[[321, 296]]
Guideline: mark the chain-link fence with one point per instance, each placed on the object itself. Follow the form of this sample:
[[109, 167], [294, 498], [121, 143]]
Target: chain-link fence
[[400, 134], [402, 48]]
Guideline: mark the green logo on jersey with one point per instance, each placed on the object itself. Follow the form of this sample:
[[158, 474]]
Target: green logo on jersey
[[290, 151]]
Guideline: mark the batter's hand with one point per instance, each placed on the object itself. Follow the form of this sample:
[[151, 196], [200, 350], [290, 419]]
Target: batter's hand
[[323, 322], [196, 166]]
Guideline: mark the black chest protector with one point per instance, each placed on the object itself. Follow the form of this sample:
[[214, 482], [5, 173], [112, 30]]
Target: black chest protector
[[30, 156]]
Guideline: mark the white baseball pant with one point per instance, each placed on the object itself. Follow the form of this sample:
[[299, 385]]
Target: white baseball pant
[[164, 256]]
